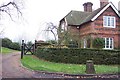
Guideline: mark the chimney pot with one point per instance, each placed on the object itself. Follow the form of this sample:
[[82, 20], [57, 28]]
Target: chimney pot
[[88, 7], [119, 5], [103, 3]]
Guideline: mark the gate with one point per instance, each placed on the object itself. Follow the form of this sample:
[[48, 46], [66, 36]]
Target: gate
[[25, 49]]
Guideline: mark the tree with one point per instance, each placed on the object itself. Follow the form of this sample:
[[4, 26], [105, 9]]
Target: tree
[[50, 28], [68, 36], [6, 42], [15, 46], [29, 43], [9, 8]]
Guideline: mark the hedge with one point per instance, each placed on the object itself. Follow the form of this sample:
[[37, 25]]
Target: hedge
[[78, 56]]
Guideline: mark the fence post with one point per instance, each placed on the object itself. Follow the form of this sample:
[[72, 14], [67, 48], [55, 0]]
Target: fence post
[[22, 49], [35, 44]]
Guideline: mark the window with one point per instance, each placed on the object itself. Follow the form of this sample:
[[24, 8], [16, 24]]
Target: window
[[85, 43], [109, 21], [62, 27], [109, 43]]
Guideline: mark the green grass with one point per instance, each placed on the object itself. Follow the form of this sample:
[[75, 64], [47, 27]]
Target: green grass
[[41, 65], [6, 50]]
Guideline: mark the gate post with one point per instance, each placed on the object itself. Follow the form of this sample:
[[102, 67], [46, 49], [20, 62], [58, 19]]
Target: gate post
[[22, 49]]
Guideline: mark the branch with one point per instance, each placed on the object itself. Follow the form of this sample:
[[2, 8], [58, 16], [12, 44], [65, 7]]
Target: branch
[[5, 8]]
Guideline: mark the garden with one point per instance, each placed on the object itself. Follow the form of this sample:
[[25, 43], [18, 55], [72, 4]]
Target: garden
[[70, 60], [73, 61]]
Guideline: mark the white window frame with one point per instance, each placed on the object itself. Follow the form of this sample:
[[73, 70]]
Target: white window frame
[[109, 21], [62, 27], [109, 43], [85, 43]]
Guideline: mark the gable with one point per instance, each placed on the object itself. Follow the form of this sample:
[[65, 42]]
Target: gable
[[79, 18], [104, 9]]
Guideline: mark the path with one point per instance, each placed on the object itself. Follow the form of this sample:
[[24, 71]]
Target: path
[[12, 68]]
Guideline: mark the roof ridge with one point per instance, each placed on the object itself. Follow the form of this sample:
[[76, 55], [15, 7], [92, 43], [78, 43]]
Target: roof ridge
[[80, 11]]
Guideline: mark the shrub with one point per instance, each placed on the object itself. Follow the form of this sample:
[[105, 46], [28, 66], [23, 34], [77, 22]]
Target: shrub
[[6, 42], [15, 46], [78, 56], [98, 43]]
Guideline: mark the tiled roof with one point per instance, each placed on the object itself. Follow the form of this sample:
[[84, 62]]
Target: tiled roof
[[79, 17]]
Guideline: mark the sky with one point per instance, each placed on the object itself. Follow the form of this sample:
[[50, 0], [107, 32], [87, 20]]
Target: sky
[[36, 13]]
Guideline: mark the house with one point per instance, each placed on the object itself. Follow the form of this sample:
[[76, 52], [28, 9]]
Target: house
[[84, 26]]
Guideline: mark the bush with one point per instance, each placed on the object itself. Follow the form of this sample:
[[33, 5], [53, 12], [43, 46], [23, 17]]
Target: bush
[[98, 43], [78, 56], [6, 42], [9, 44], [15, 46]]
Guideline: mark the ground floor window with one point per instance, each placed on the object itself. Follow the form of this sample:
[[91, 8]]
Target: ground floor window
[[85, 43], [109, 43]]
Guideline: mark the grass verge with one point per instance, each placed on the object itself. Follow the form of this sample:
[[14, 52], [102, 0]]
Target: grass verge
[[41, 65], [6, 50]]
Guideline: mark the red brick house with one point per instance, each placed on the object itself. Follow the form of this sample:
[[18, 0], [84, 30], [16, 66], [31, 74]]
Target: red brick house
[[84, 26]]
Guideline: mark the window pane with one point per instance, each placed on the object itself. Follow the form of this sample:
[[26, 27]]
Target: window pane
[[108, 42], [108, 21], [112, 22], [111, 42], [104, 21]]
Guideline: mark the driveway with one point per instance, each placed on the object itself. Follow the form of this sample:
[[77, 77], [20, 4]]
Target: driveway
[[12, 68]]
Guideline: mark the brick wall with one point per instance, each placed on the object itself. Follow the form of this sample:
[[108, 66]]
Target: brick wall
[[96, 29]]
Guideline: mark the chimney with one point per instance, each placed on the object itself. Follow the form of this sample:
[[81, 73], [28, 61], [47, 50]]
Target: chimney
[[103, 2], [119, 5], [88, 7]]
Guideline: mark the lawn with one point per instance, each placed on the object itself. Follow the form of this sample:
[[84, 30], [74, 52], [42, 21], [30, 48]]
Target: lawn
[[6, 50], [36, 64]]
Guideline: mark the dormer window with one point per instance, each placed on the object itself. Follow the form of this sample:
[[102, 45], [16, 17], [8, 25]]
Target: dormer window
[[109, 21]]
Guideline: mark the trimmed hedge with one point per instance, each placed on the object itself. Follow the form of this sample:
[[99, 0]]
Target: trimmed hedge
[[78, 56]]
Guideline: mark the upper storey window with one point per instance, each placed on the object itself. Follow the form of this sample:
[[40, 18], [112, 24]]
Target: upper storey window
[[109, 21], [63, 27]]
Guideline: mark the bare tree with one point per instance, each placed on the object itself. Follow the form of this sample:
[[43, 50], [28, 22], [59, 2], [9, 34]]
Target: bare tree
[[50, 28], [10, 8]]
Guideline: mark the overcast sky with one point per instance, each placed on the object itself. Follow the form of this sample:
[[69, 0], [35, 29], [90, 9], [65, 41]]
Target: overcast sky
[[37, 12]]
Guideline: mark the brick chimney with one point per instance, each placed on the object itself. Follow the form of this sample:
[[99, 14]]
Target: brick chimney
[[119, 5], [88, 7], [103, 2]]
